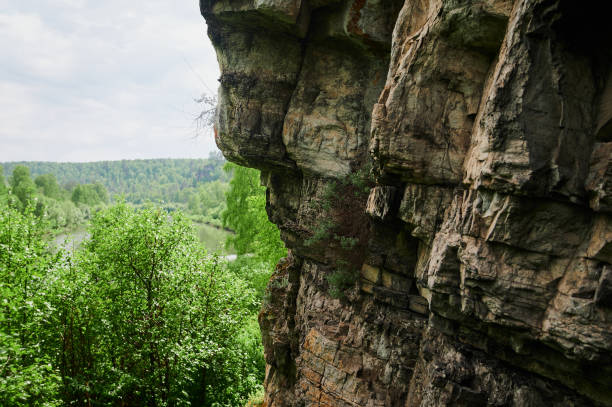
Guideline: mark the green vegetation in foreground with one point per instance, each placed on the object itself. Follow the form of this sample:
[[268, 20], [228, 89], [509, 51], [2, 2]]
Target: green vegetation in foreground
[[139, 314]]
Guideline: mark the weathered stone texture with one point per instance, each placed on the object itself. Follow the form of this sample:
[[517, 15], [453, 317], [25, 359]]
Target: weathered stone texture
[[454, 158]]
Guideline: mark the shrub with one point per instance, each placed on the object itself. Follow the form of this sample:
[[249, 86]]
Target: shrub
[[340, 280], [344, 223], [160, 319], [27, 376]]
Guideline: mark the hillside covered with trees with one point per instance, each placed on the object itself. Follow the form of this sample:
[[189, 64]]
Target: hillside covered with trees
[[197, 186]]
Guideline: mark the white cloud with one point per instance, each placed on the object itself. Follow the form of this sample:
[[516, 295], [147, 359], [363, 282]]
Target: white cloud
[[32, 48], [84, 80]]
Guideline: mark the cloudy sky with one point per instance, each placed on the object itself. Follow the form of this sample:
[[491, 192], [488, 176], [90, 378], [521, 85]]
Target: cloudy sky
[[87, 80]]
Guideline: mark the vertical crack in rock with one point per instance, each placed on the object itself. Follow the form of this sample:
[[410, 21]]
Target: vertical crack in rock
[[441, 174]]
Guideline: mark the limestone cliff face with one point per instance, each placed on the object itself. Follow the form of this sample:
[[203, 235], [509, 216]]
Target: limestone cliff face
[[441, 171]]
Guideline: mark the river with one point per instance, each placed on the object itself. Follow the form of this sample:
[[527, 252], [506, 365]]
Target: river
[[212, 238]]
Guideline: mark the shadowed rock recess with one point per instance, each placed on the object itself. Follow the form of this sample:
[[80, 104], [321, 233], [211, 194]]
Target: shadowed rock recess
[[441, 172]]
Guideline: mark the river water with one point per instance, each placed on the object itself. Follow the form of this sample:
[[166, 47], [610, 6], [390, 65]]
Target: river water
[[213, 239], [70, 241]]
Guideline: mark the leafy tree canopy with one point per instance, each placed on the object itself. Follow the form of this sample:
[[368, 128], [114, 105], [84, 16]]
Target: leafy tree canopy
[[90, 194], [27, 376], [246, 216], [22, 185], [48, 185], [158, 180], [2, 181], [140, 315]]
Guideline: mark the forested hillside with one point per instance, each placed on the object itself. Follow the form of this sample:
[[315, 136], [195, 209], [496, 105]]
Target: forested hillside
[[196, 186], [158, 180]]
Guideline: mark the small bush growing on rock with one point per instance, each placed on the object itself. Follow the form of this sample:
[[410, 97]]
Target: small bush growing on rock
[[322, 232], [256, 399], [340, 280], [347, 242], [361, 179], [356, 184], [343, 224], [280, 283]]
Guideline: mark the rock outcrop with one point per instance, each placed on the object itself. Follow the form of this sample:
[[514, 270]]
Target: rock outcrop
[[441, 172]]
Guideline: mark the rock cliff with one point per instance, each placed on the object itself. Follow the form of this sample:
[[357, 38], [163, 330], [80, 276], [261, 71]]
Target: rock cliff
[[441, 172]]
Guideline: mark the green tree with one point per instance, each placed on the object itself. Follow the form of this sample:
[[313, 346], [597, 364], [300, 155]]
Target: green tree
[[138, 180], [49, 186], [2, 181], [89, 194], [246, 216], [208, 202], [101, 192], [63, 214], [26, 373], [22, 185], [150, 319]]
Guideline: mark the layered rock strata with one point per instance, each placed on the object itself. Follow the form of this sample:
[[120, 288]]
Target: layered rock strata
[[441, 172]]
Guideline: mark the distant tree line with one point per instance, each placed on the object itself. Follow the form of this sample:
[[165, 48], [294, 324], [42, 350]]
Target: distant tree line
[[157, 180], [60, 206], [196, 186]]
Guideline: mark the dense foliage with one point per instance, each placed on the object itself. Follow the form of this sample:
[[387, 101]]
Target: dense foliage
[[256, 239], [196, 186], [130, 176], [2, 181], [140, 314], [138, 181], [63, 208], [22, 185], [246, 215], [27, 375], [167, 322], [89, 194]]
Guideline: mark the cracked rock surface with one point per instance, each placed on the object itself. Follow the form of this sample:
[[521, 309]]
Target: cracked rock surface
[[441, 172]]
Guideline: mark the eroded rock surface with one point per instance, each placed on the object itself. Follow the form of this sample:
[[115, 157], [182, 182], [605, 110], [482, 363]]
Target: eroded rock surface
[[441, 171]]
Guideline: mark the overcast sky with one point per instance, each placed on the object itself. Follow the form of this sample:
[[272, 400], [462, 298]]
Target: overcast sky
[[88, 80]]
